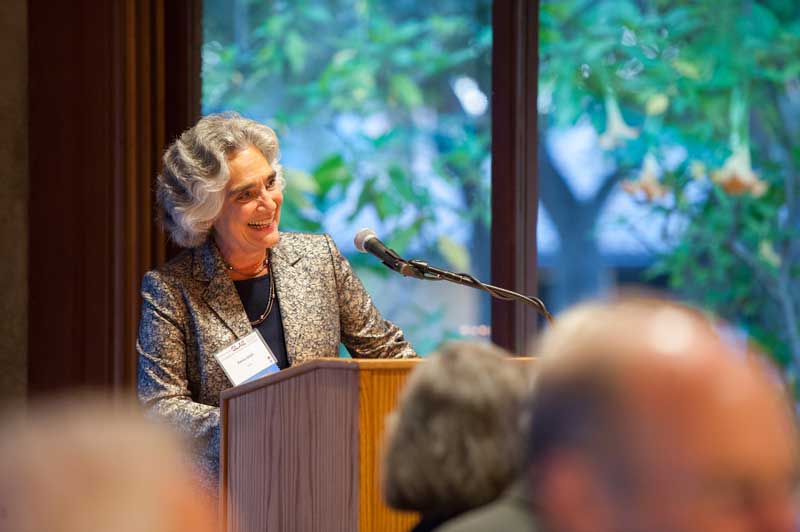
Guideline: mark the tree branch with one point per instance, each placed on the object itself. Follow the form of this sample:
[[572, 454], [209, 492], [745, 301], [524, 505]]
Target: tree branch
[[639, 236], [792, 246], [741, 252], [789, 314], [553, 189], [607, 187], [781, 290]]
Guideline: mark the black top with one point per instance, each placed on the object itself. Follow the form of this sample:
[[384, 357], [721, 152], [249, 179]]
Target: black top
[[254, 294]]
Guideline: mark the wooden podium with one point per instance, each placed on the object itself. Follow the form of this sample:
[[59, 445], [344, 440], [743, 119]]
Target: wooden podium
[[300, 449]]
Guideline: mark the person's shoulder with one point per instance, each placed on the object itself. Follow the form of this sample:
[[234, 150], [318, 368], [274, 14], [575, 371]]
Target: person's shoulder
[[499, 516], [297, 243], [296, 238], [176, 266], [509, 513], [171, 273]]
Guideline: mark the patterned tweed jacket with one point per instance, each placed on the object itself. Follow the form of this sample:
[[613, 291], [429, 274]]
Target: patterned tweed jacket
[[191, 310]]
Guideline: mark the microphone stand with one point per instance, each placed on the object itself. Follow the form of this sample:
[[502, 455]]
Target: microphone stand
[[422, 270]]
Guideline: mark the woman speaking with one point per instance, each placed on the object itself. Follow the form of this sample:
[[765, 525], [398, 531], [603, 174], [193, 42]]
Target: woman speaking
[[220, 195]]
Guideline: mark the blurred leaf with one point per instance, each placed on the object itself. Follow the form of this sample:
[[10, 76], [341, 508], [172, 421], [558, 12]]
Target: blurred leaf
[[295, 49], [454, 253], [300, 180], [330, 172], [405, 91], [400, 239], [387, 207], [401, 183]]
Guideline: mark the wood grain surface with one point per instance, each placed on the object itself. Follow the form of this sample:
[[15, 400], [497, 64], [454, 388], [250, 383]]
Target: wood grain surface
[[292, 454], [302, 448], [380, 386]]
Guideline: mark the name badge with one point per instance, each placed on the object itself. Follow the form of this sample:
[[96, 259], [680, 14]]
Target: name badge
[[247, 359]]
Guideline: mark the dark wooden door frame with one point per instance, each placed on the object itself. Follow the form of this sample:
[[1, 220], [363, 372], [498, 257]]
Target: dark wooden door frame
[[515, 66], [109, 84]]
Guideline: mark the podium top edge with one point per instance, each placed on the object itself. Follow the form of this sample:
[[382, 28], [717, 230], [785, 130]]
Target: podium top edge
[[384, 363], [340, 364]]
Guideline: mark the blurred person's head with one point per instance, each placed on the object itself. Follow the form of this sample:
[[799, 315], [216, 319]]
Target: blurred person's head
[[87, 465], [645, 419], [455, 441]]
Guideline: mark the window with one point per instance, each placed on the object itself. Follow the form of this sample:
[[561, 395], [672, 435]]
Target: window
[[382, 109], [668, 155]]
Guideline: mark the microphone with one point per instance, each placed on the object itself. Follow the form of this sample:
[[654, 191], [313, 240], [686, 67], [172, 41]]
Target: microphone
[[367, 241]]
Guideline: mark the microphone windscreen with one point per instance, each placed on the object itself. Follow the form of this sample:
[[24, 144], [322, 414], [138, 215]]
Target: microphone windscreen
[[361, 238]]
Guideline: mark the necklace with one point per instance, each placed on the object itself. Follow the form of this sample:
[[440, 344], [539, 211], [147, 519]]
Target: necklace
[[264, 265], [260, 319]]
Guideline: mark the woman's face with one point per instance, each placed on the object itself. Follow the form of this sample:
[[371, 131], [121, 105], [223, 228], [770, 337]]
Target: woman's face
[[248, 222]]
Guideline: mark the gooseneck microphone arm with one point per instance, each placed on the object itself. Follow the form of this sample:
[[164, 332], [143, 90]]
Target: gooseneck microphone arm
[[367, 242], [432, 273]]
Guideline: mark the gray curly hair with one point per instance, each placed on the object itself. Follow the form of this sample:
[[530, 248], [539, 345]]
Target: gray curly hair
[[456, 439], [190, 189]]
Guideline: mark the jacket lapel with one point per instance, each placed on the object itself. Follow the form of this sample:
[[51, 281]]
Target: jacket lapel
[[289, 277], [220, 294]]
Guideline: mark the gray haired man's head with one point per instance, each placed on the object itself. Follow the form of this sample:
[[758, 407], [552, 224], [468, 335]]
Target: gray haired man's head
[[455, 441]]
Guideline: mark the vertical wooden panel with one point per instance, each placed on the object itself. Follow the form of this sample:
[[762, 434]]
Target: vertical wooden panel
[[183, 56], [98, 101], [514, 193], [291, 451], [14, 200], [126, 213], [71, 136], [380, 387], [182, 81]]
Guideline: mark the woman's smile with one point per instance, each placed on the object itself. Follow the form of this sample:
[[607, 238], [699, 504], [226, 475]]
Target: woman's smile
[[263, 225]]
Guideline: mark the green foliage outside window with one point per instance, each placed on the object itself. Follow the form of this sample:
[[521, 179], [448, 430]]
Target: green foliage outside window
[[307, 64], [719, 83]]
